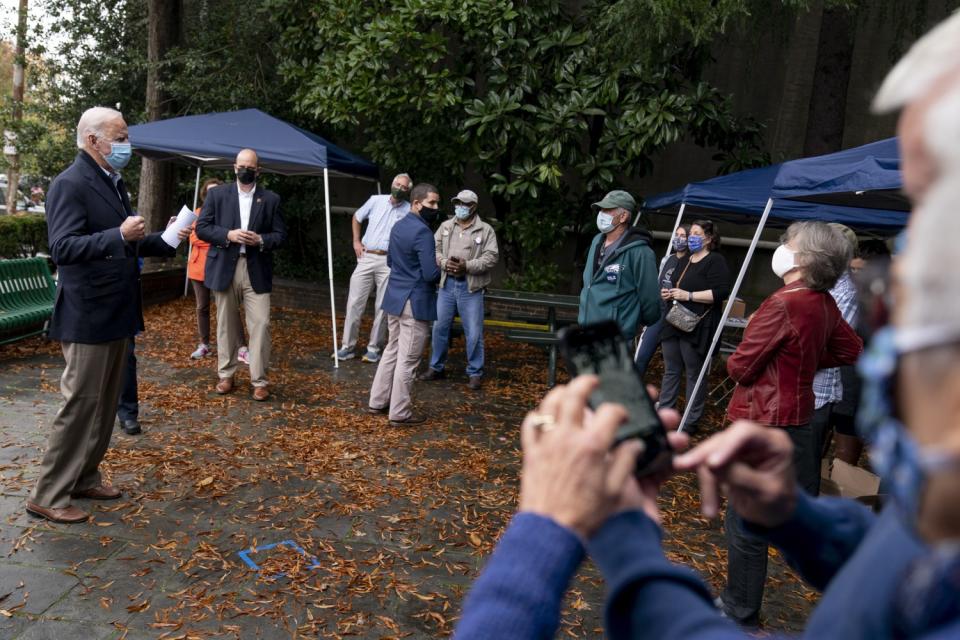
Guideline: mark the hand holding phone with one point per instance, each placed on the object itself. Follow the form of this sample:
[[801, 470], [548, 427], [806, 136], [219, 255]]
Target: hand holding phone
[[601, 349]]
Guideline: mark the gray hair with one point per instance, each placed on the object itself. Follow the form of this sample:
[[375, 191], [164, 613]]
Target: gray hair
[[92, 121], [822, 252], [929, 59], [402, 175]]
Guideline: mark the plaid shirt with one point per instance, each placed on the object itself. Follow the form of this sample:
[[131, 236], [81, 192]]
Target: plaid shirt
[[826, 383]]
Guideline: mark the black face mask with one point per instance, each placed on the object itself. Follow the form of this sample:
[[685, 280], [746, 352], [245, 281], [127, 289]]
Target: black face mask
[[428, 214], [400, 195], [247, 175]]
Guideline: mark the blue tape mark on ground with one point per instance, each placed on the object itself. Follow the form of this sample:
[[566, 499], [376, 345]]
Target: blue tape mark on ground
[[290, 544]]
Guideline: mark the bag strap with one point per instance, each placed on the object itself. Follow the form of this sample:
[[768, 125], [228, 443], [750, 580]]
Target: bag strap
[[680, 279]]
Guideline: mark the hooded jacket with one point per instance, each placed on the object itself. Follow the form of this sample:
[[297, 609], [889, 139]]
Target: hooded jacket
[[625, 287]]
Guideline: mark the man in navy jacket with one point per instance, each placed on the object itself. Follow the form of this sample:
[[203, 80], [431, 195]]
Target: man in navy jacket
[[244, 227], [410, 303], [95, 240]]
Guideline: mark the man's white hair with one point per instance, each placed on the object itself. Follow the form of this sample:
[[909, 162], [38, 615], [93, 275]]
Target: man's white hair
[[941, 133], [931, 287], [929, 59], [92, 121], [402, 175]]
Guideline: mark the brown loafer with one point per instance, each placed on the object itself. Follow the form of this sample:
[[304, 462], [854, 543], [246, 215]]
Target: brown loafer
[[378, 412], [225, 386], [260, 393], [413, 419], [474, 383], [67, 515], [103, 492]]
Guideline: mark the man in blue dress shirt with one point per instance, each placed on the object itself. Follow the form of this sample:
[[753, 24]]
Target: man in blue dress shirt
[[380, 213], [410, 303]]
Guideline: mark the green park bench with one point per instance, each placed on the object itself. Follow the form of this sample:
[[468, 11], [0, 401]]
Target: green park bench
[[27, 293]]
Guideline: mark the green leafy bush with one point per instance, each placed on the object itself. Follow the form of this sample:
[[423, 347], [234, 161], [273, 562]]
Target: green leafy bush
[[22, 235]]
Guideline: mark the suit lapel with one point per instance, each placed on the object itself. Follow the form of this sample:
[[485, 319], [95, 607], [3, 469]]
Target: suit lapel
[[102, 185], [255, 208], [235, 199]]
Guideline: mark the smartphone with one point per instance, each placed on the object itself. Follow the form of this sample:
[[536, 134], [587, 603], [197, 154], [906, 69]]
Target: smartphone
[[601, 349]]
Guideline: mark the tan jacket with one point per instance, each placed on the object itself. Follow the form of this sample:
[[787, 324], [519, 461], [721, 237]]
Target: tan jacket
[[483, 257]]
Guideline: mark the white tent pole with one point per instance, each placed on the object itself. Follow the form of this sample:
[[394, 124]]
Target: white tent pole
[[676, 225], [333, 302], [726, 312], [196, 194], [378, 187]]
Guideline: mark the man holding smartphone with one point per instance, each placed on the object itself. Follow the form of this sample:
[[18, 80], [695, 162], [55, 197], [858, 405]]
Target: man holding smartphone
[[466, 252]]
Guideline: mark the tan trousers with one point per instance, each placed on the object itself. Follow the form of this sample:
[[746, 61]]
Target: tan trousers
[[371, 269], [256, 306], [81, 431], [398, 364]]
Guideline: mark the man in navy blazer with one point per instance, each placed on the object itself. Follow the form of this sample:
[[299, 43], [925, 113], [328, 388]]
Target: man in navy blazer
[[95, 240], [244, 227], [410, 303]]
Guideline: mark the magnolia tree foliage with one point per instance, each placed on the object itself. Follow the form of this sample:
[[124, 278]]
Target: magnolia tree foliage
[[548, 103]]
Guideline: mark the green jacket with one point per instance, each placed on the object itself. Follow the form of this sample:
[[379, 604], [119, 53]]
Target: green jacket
[[625, 288]]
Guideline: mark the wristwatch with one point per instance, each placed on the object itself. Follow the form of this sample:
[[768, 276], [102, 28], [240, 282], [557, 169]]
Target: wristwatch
[[689, 293]]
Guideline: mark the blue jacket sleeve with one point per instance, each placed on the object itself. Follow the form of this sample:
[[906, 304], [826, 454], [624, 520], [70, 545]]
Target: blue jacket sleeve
[[207, 227], [426, 252], [519, 593], [649, 596], [277, 235], [820, 537], [67, 234], [153, 245]]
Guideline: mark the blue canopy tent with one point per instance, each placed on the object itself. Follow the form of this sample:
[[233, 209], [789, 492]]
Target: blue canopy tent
[[213, 140], [858, 187]]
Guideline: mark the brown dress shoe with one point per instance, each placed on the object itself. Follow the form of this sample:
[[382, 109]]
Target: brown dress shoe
[[413, 419], [225, 386], [260, 393], [378, 412], [103, 492], [474, 383], [67, 515]]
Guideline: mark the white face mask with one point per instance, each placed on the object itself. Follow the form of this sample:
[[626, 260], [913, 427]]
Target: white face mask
[[783, 261], [605, 222]]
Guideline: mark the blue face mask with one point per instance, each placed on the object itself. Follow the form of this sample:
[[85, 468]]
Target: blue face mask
[[679, 244], [898, 459], [461, 211], [695, 243], [119, 155]]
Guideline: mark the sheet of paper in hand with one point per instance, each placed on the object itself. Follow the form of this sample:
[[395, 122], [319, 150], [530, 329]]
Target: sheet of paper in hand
[[184, 219]]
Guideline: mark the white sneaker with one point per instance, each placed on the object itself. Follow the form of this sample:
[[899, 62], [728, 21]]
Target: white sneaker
[[243, 355], [203, 350]]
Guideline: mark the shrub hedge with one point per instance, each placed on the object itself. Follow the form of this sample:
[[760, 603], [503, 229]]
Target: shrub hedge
[[23, 235]]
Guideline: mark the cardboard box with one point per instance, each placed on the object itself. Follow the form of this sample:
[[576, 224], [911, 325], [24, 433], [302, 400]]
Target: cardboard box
[[841, 479], [739, 308]]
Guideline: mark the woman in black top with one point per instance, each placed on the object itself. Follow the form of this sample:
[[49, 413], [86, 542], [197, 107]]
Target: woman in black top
[[700, 282]]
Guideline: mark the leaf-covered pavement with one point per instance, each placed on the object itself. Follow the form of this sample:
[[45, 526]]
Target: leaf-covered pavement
[[384, 528]]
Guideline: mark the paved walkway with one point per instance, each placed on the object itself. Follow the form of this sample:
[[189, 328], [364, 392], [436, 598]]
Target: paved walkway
[[299, 517]]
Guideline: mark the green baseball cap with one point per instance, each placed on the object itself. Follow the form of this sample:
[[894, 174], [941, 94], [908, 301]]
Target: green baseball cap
[[616, 199]]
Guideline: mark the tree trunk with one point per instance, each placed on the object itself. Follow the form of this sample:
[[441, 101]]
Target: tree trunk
[[19, 62], [827, 113], [158, 179]]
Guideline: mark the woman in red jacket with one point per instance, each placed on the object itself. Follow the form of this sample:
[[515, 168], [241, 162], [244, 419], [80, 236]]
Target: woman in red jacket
[[795, 332]]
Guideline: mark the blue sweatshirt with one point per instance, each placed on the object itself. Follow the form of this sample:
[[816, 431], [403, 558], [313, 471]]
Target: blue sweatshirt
[[836, 544]]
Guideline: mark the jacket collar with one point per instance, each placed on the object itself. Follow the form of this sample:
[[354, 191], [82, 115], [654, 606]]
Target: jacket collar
[[100, 182]]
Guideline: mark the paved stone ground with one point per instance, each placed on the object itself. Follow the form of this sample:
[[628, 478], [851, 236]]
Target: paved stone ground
[[393, 524]]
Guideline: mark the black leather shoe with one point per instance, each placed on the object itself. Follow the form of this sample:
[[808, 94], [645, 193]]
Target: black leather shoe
[[131, 427], [431, 374]]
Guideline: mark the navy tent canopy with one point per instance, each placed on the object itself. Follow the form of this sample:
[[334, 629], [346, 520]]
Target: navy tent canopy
[[214, 139], [819, 188], [867, 177]]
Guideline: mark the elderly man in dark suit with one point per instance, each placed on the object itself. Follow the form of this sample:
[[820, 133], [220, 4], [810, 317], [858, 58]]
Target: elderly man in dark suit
[[244, 227], [95, 240], [410, 303]]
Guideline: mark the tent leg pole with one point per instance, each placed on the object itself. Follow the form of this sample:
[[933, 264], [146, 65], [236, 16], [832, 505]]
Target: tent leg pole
[[196, 193], [333, 302], [726, 313]]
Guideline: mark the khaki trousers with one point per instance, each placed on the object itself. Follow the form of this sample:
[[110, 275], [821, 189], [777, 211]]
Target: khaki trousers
[[371, 269], [398, 364], [81, 432], [256, 306]]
